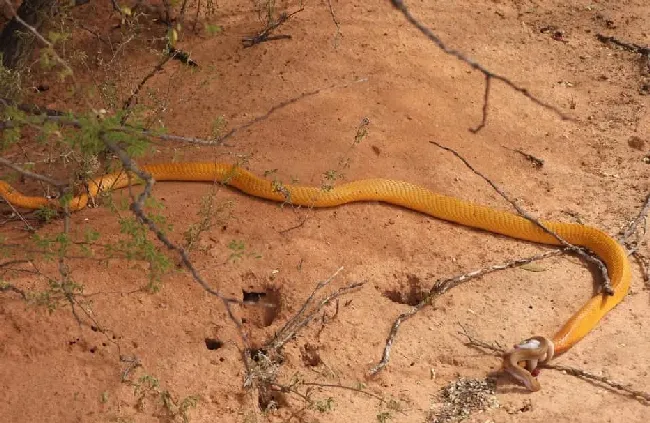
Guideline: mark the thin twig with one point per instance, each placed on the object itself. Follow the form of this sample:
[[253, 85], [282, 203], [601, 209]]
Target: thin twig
[[606, 287], [536, 161], [399, 5], [38, 35], [486, 99], [336, 22], [32, 175], [645, 269], [129, 102], [15, 211], [62, 119], [443, 285], [633, 47], [10, 262], [638, 395], [265, 34], [302, 318], [4, 287], [137, 207], [349, 388], [631, 228]]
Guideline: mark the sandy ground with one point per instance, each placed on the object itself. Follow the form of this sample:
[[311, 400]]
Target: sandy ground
[[379, 67]]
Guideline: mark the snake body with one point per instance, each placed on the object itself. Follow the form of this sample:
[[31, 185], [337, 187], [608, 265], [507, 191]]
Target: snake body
[[398, 193]]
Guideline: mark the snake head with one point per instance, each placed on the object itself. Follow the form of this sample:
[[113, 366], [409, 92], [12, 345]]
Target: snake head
[[522, 361]]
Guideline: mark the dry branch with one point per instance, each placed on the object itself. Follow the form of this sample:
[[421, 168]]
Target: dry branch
[[32, 175], [632, 227], [137, 207], [633, 47], [63, 119], [536, 161], [129, 102], [605, 282], [440, 287], [7, 287], [489, 75], [293, 388], [336, 22], [265, 34], [308, 312]]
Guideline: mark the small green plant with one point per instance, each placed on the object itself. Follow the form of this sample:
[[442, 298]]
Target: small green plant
[[210, 215], [46, 214], [213, 29], [383, 417], [325, 405], [148, 387], [138, 246], [329, 179], [218, 125], [362, 130], [237, 248]]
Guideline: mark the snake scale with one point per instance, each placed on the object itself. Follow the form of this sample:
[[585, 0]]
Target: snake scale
[[406, 195]]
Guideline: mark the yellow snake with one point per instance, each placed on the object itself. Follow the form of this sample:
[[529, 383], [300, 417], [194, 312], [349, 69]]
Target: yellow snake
[[399, 193]]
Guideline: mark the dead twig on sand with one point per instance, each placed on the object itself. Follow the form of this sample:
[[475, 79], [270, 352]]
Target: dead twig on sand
[[440, 287], [68, 120], [268, 359], [606, 287], [633, 225], [336, 22], [537, 162], [489, 75], [308, 312], [265, 34], [293, 388], [127, 107], [7, 287], [633, 245], [620, 388], [137, 207], [633, 47]]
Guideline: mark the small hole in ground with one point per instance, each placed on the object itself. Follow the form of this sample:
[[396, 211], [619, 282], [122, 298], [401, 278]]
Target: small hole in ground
[[262, 307], [257, 354], [411, 295], [253, 297], [213, 344]]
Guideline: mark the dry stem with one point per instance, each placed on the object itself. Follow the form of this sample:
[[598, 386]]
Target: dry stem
[[137, 207], [440, 287], [605, 282], [399, 5]]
